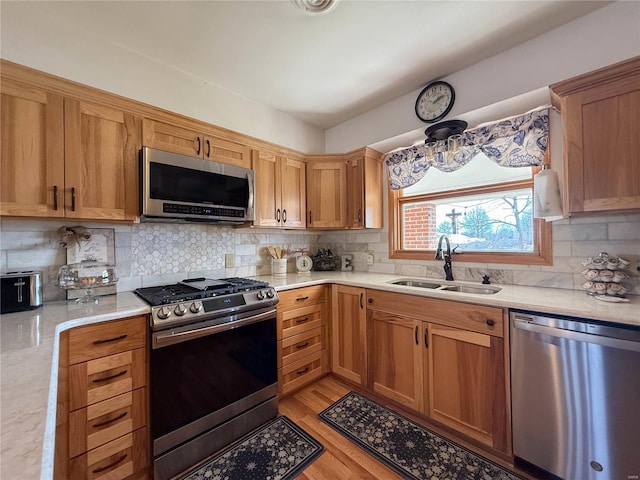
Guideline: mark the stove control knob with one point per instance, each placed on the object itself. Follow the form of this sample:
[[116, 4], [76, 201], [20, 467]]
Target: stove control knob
[[260, 295], [270, 293], [180, 309], [196, 307], [164, 312]]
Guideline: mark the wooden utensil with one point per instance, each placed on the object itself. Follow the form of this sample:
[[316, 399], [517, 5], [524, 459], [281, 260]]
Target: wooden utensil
[[279, 252], [272, 252]]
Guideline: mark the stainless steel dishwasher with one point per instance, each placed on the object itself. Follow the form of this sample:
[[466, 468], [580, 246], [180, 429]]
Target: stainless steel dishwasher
[[575, 387]]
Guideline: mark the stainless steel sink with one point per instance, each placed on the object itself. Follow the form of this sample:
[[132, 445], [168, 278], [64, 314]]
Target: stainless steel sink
[[467, 289], [410, 282], [416, 283]]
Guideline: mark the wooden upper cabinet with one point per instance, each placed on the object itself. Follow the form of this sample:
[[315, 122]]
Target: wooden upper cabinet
[[327, 194], [173, 138], [601, 135], [32, 154], [364, 186], [101, 151], [280, 190]]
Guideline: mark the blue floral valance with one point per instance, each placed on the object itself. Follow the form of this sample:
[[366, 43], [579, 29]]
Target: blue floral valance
[[515, 142]]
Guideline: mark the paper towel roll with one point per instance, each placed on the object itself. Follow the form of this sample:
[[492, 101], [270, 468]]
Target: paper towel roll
[[547, 203]]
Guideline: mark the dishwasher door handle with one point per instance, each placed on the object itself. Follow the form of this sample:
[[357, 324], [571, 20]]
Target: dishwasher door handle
[[578, 336]]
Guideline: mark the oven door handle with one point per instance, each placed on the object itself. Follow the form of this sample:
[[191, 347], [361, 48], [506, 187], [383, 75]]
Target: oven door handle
[[165, 339]]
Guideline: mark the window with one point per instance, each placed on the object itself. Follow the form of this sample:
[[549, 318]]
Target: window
[[486, 211]]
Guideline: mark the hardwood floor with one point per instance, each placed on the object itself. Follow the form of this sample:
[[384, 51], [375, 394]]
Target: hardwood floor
[[342, 459]]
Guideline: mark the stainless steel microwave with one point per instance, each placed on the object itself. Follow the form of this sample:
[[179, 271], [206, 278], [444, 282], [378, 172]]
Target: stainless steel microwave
[[178, 188]]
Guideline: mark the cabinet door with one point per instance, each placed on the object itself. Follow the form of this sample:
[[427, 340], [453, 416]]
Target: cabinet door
[[171, 138], [356, 193], [224, 151], [348, 333], [267, 194], [32, 155], [101, 153], [327, 194], [293, 193], [603, 147], [467, 383], [395, 357]]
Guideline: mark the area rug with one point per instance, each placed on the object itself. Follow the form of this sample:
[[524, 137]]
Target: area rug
[[405, 446], [280, 450]]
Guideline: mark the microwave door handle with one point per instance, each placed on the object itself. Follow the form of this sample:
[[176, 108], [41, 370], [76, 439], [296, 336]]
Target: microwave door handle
[[250, 179]]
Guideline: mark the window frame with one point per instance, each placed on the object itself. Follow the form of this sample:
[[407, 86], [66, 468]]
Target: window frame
[[541, 255]]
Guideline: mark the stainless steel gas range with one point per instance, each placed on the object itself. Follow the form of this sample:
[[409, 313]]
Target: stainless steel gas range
[[213, 366]]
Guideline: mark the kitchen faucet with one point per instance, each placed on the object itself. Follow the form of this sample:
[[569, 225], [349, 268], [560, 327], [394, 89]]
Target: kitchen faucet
[[447, 256]]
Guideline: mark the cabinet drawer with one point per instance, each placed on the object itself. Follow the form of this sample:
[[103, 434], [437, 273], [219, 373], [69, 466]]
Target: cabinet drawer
[[477, 318], [104, 421], [296, 347], [301, 297], [300, 320], [301, 372], [95, 341], [115, 460], [103, 378]]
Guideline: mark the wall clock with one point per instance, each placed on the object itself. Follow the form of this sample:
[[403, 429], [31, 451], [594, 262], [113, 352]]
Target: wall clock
[[435, 101], [304, 263]]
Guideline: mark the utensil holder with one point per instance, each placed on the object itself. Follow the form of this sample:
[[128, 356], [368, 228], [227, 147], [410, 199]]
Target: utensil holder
[[279, 266]]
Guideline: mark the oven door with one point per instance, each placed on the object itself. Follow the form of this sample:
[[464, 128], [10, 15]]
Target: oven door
[[205, 374]]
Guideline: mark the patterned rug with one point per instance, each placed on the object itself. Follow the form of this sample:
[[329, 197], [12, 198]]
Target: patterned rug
[[405, 446], [280, 450]]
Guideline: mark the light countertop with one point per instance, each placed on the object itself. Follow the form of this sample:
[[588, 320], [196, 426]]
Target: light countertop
[[29, 349]]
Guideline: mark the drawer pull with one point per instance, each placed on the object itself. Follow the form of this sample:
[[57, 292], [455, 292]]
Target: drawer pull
[[111, 465], [108, 340], [302, 299], [491, 323], [416, 335], [302, 320], [107, 422], [110, 377], [302, 345], [304, 370]]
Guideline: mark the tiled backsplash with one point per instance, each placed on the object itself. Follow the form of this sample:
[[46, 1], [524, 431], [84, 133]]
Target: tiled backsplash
[[153, 254]]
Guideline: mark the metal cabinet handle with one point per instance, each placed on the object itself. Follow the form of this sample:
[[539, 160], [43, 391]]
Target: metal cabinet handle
[[302, 320], [361, 296], [107, 422], [208, 148], [198, 148], [426, 338], [370, 300], [301, 299], [110, 377], [278, 215], [359, 215], [304, 370], [109, 340], [107, 467], [302, 345], [284, 215], [55, 197], [491, 323], [73, 199], [310, 222], [415, 334]]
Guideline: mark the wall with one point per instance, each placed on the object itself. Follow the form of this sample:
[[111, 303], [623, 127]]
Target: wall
[[603, 37], [70, 50], [150, 254]]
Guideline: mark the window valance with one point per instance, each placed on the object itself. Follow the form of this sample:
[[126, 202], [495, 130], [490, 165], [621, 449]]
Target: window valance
[[514, 142]]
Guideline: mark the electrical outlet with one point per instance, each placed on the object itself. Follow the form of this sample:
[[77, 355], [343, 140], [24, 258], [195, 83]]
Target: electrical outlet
[[229, 260], [370, 258]]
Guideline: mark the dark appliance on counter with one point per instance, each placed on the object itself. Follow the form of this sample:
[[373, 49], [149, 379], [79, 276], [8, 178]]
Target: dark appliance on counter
[[21, 291], [213, 366], [178, 188], [575, 385]]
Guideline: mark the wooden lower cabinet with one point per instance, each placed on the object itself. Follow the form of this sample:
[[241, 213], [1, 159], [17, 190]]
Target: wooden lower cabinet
[[453, 375], [302, 337], [348, 334], [102, 417]]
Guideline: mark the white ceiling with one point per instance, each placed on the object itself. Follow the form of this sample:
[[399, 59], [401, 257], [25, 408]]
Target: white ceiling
[[322, 69]]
